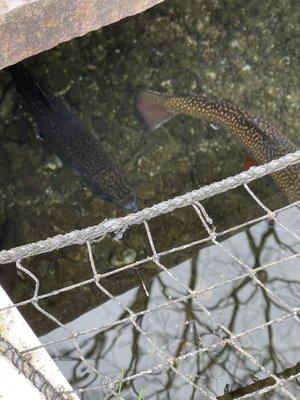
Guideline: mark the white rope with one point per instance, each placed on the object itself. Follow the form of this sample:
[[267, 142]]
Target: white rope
[[166, 360], [119, 225]]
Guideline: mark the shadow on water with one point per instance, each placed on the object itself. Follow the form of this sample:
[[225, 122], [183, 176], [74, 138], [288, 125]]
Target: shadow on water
[[242, 52]]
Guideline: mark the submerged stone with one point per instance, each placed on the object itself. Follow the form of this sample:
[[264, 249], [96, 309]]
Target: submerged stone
[[121, 257]]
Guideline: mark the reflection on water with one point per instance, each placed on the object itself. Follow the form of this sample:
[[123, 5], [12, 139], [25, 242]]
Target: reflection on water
[[241, 51], [181, 328]]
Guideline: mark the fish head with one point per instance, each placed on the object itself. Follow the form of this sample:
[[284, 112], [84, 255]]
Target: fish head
[[119, 189], [128, 202], [112, 187]]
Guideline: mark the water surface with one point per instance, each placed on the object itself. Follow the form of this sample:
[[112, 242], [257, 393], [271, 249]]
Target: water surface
[[244, 52]]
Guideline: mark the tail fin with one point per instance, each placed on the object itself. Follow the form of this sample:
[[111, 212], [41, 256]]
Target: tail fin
[[150, 109]]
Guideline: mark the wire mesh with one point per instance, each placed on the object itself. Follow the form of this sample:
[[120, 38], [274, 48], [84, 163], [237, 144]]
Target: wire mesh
[[214, 337]]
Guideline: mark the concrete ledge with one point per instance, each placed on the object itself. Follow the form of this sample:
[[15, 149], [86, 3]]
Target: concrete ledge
[[13, 383], [28, 27]]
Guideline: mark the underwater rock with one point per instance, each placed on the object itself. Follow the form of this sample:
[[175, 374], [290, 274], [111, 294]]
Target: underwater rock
[[29, 27], [121, 256], [54, 164], [145, 191]]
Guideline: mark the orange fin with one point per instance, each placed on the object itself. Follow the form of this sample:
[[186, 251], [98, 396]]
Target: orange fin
[[150, 110], [248, 163]]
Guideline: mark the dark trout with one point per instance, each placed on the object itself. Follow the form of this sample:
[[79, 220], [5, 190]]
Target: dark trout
[[262, 141], [66, 136]]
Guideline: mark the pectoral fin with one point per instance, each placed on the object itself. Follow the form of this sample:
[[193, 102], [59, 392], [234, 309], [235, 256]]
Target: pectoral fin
[[248, 163]]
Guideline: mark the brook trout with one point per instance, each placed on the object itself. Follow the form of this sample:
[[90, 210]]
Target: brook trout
[[66, 136], [262, 141]]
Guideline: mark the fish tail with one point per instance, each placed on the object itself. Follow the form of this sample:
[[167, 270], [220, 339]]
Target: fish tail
[[151, 109]]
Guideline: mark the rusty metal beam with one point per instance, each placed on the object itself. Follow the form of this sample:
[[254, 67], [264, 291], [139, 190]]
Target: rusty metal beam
[[28, 27]]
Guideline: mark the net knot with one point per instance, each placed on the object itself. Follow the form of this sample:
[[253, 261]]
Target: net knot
[[75, 335], [171, 361], [271, 215], [156, 258], [213, 235], [296, 315]]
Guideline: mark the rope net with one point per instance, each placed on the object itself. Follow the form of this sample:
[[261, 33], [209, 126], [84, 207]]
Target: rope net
[[232, 334]]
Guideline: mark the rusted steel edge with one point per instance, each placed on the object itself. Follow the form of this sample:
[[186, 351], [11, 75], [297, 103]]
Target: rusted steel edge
[[31, 27]]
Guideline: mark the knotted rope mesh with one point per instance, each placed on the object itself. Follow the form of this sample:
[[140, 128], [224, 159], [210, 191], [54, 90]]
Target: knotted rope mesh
[[182, 368]]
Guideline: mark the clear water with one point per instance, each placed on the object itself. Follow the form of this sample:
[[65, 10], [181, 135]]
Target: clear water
[[245, 52]]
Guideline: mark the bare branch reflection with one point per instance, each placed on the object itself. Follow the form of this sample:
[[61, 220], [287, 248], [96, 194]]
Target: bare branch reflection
[[200, 349]]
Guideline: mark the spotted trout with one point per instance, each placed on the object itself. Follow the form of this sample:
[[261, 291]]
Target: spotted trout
[[66, 136], [262, 141]]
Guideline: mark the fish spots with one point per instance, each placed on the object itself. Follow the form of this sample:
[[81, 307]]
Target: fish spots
[[67, 137], [262, 141]]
